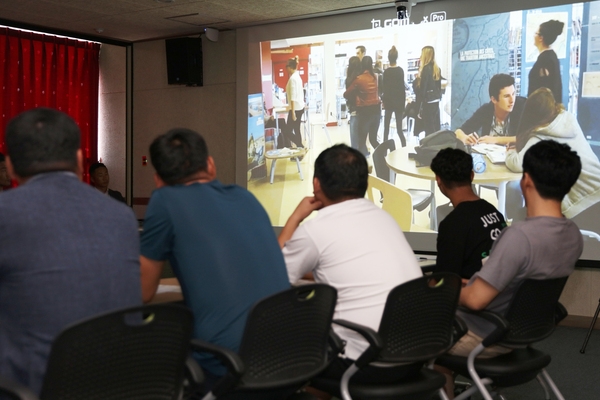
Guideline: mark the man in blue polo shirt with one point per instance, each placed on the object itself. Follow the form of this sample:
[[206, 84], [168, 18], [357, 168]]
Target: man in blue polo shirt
[[218, 239]]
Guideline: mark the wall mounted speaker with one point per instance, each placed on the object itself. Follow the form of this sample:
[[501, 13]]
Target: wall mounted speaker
[[184, 61]]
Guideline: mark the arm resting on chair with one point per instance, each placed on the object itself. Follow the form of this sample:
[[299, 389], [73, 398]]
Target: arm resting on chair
[[496, 319], [16, 390], [375, 343]]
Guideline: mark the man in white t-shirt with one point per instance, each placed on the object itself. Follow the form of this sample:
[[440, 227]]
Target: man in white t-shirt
[[295, 100], [352, 245]]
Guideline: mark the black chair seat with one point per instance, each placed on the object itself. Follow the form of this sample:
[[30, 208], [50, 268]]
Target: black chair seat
[[517, 367], [424, 385]]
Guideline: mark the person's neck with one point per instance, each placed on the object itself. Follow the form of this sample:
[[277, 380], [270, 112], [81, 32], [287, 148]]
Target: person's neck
[[103, 190], [199, 177], [501, 115], [540, 207], [542, 48], [461, 194]]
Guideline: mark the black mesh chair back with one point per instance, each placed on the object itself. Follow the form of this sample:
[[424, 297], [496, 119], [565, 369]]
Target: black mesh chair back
[[137, 353], [418, 318], [532, 312], [285, 340]]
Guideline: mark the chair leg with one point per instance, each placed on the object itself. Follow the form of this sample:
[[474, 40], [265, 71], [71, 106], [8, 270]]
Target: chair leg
[[443, 395], [544, 386], [557, 392], [327, 133], [273, 169], [345, 381], [587, 337]]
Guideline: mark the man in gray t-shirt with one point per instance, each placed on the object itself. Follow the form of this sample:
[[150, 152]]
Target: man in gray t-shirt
[[546, 245]]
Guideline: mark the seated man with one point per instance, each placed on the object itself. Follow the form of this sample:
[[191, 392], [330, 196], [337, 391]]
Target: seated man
[[218, 240], [544, 246], [352, 245], [67, 252], [466, 235], [4, 179], [100, 179], [497, 121]]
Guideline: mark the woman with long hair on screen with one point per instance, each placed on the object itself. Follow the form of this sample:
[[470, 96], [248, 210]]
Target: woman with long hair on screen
[[354, 70], [546, 70], [544, 118], [428, 90], [393, 95], [368, 105]]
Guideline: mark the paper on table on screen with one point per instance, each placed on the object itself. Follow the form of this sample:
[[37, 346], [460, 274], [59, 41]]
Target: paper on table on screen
[[495, 153]]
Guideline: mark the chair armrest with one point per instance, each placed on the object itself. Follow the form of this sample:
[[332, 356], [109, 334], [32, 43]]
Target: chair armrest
[[15, 390], [374, 340], [193, 372], [560, 313], [336, 343], [496, 319], [233, 363], [459, 329]]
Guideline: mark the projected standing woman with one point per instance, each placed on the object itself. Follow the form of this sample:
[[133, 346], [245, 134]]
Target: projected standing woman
[[428, 88], [368, 105], [546, 119], [546, 70], [354, 70], [394, 95]]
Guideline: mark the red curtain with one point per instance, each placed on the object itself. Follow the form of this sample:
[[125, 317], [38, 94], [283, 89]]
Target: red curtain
[[40, 70]]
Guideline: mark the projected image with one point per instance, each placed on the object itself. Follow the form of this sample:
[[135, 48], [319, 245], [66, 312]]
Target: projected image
[[384, 95], [256, 136]]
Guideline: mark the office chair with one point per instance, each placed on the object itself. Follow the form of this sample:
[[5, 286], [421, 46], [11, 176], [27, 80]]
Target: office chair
[[285, 343], [532, 316], [136, 353], [421, 198], [418, 324]]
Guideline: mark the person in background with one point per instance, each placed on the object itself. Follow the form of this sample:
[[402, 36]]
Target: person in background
[[428, 90], [361, 51], [218, 240], [295, 100], [66, 251], [544, 246], [467, 234], [546, 70], [354, 70], [4, 178], [545, 118], [352, 245], [393, 95], [368, 105], [100, 179], [496, 121]]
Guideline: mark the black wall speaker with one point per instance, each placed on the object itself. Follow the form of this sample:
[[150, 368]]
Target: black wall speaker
[[184, 61]]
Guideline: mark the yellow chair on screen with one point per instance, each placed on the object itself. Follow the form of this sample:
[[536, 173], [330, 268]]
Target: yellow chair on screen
[[397, 202]]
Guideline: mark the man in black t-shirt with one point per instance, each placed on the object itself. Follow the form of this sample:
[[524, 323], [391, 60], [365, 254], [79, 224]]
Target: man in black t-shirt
[[466, 235]]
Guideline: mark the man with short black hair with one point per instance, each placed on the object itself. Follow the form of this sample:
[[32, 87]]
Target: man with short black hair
[[361, 51], [218, 240], [295, 98], [100, 179], [496, 121], [352, 245], [544, 246], [68, 252], [467, 234]]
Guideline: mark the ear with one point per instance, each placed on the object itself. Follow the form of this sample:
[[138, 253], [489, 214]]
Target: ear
[[211, 168], [158, 181], [493, 99], [11, 170], [316, 185], [79, 171], [472, 175]]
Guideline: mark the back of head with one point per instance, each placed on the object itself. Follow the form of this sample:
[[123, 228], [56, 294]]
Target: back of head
[[292, 63], [367, 64], [550, 30], [453, 166], [42, 140], [499, 82], [354, 69], [553, 167], [178, 154], [342, 173], [428, 57], [393, 55], [540, 109]]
